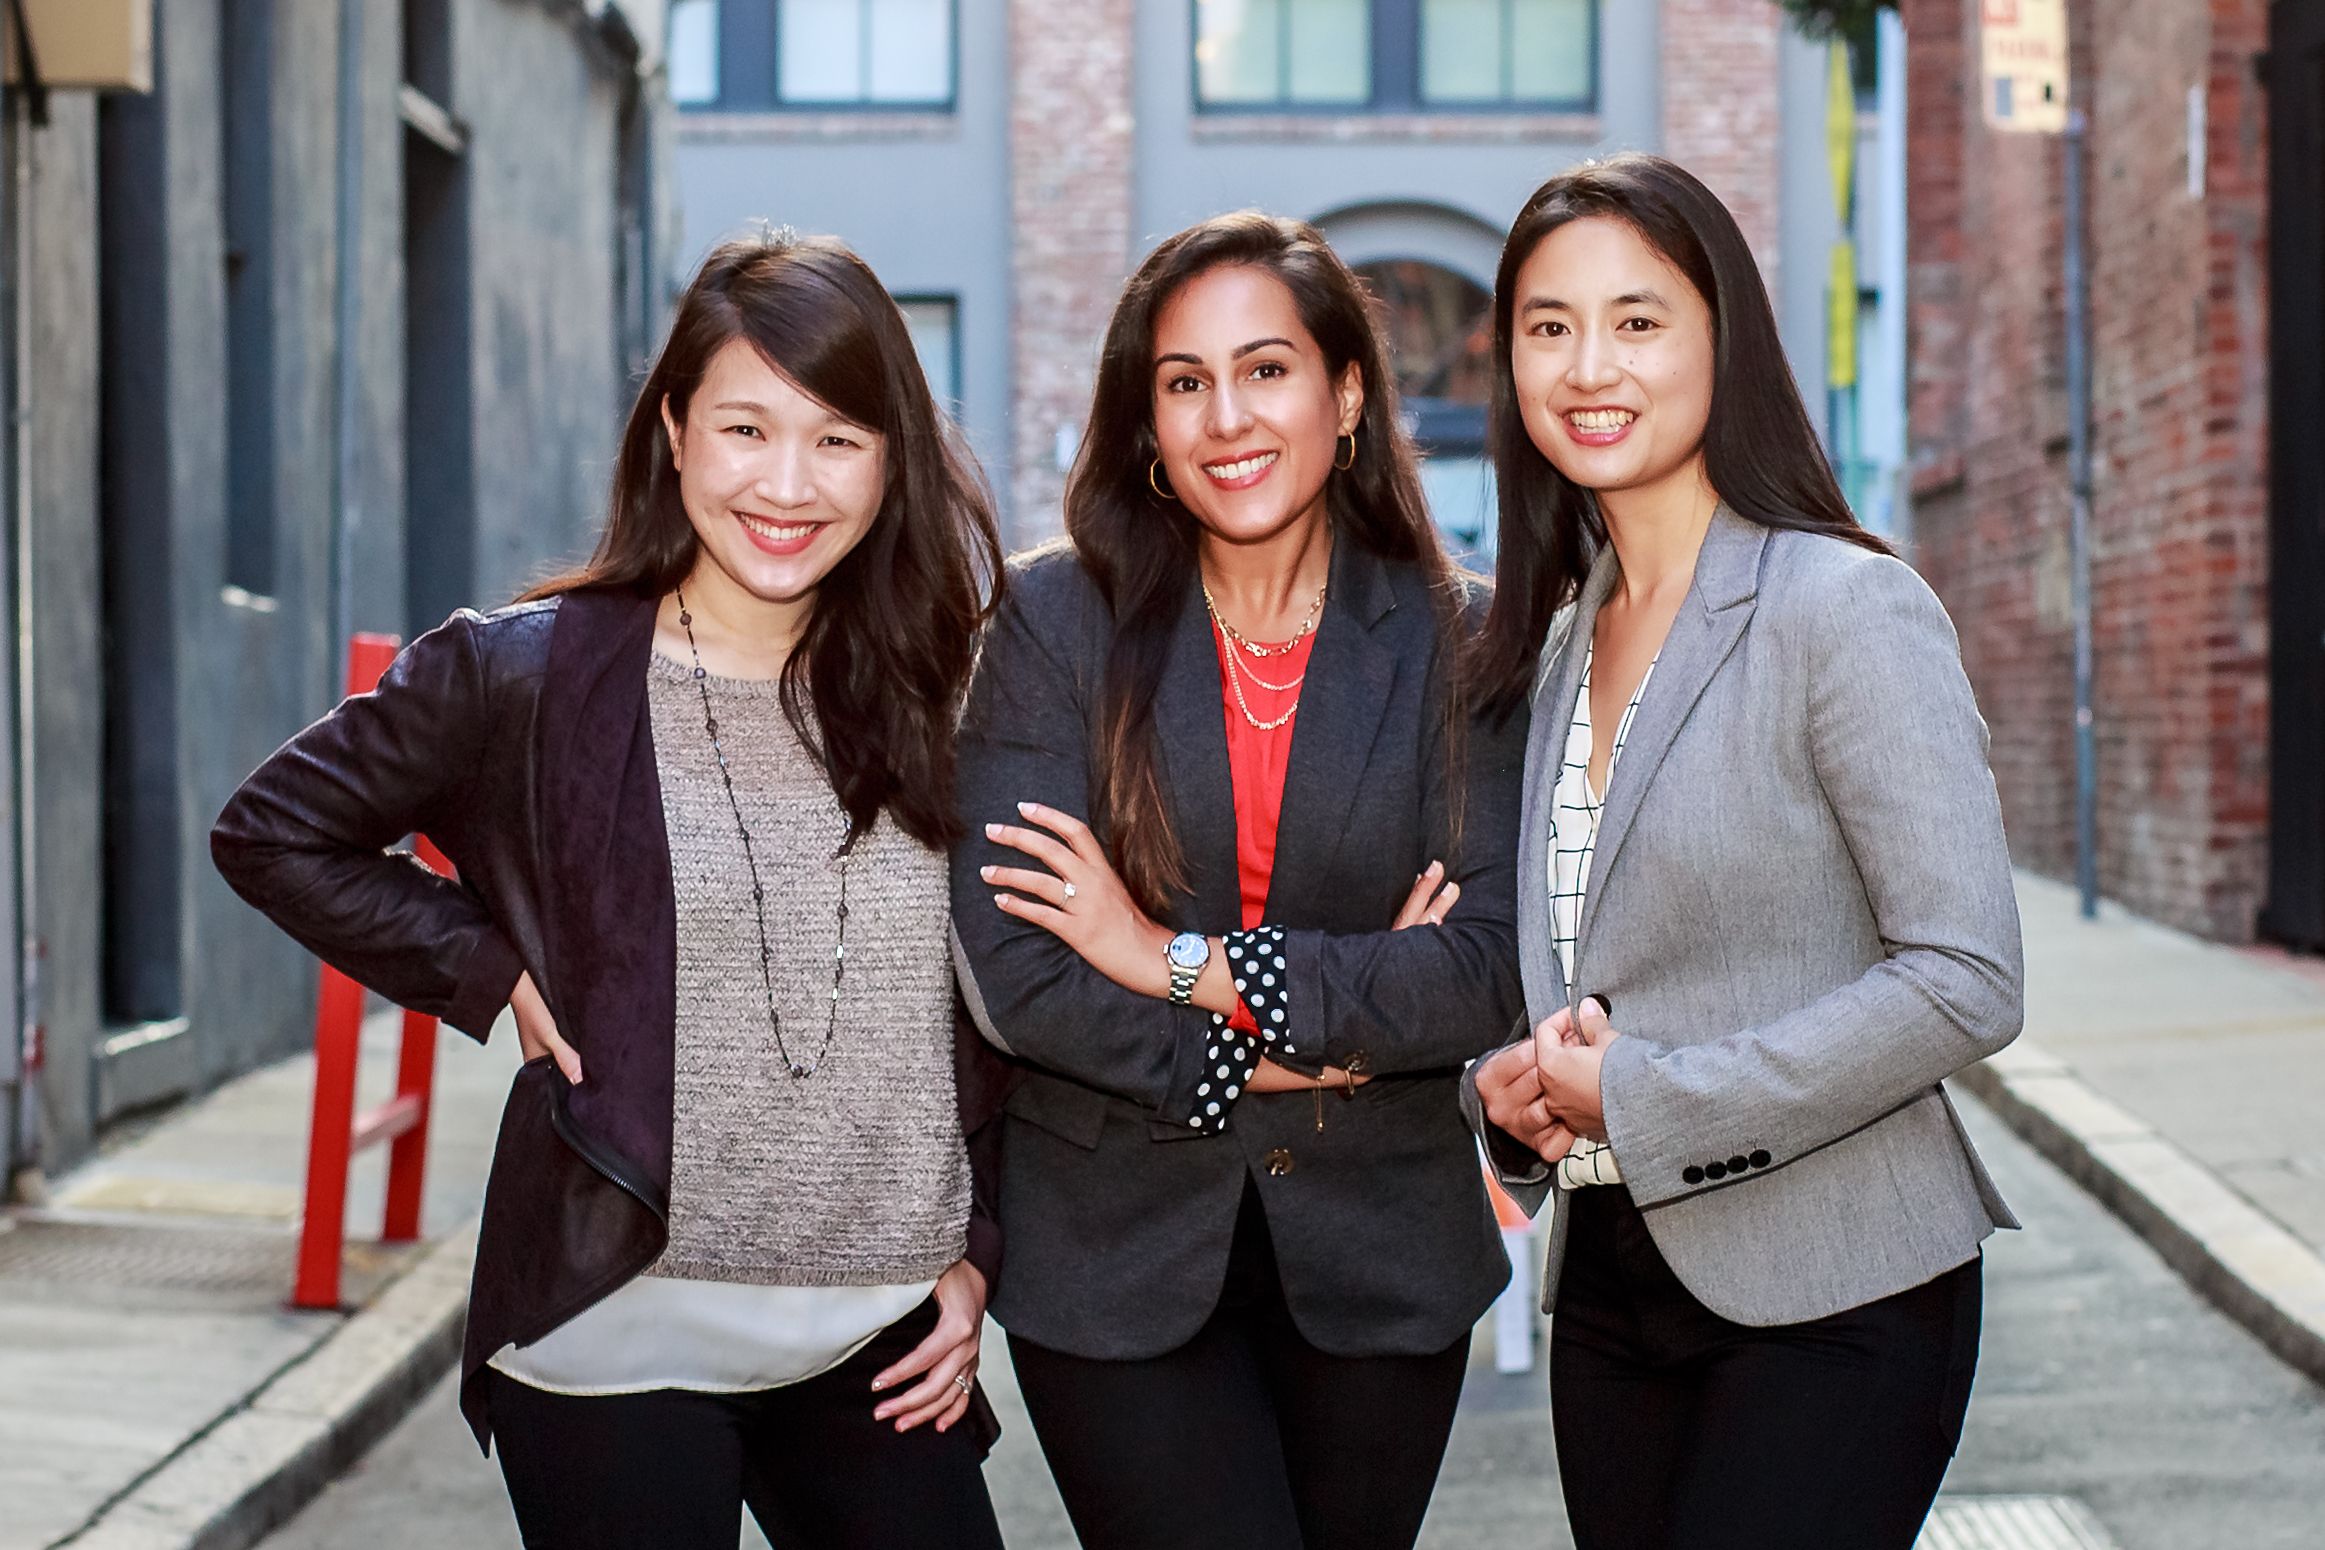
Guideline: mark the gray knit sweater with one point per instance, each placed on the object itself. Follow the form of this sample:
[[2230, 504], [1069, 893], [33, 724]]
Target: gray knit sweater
[[855, 1176]]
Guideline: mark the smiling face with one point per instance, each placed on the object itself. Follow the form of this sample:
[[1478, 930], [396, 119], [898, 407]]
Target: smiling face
[[1613, 358], [777, 485], [1247, 412]]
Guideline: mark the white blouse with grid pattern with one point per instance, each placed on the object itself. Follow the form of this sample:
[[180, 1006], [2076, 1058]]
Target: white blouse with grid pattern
[[1574, 810]]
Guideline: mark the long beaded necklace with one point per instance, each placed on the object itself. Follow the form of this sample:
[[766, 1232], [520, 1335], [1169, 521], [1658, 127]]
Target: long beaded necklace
[[799, 1070], [1238, 670]]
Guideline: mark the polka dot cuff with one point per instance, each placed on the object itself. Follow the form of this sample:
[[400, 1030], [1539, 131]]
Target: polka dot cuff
[[1255, 961]]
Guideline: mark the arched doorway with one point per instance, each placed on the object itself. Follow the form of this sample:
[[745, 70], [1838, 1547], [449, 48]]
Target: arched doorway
[[1439, 324]]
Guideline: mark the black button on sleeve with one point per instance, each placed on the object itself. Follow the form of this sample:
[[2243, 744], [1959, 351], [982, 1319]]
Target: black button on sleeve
[[1761, 1159], [1691, 1176], [1715, 1171], [1739, 1163]]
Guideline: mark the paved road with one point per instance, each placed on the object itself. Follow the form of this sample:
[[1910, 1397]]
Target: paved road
[[2104, 1379]]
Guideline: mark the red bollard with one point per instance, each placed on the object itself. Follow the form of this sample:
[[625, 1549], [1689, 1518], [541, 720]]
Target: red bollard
[[337, 1132]]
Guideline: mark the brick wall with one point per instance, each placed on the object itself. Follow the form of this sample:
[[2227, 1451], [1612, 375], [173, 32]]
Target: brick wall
[[1069, 168], [1722, 117], [2179, 518]]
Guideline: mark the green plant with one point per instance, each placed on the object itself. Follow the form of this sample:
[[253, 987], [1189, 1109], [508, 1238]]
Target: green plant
[[1847, 19]]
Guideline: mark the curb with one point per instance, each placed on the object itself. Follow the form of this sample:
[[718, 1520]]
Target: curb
[[2236, 1256], [249, 1471]]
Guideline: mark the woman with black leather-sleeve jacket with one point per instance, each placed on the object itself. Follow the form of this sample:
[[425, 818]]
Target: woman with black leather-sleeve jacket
[[699, 797]]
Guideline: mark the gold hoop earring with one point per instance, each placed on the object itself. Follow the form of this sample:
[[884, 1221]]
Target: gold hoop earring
[[1154, 483], [1351, 463]]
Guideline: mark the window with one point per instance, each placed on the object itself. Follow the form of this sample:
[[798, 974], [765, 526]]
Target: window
[[1494, 52], [693, 52], [1440, 335], [934, 322], [745, 55], [1274, 52], [1396, 55], [246, 199]]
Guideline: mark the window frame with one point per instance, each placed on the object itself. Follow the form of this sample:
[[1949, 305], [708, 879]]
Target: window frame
[[1396, 75], [950, 399], [750, 67]]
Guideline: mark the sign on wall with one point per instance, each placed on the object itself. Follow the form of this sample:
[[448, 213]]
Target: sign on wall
[[106, 45], [2024, 49]]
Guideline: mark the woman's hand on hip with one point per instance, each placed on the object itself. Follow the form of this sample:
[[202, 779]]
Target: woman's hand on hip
[[1509, 1088], [948, 1357], [537, 1031], [1568, 1053], [1079, 898]]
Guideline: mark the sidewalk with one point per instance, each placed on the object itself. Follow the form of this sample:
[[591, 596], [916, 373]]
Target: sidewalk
[[155, 1389], [2183, 1083]]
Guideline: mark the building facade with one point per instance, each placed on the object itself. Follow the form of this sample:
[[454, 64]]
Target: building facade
[[2208, 510], [330, 330], [1004, 164]]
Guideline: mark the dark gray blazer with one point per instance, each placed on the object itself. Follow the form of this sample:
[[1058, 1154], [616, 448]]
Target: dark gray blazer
[[1119, 1216], [1801, 909]]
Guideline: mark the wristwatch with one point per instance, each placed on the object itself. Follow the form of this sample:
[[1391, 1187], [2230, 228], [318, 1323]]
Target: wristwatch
[[1187, 953]]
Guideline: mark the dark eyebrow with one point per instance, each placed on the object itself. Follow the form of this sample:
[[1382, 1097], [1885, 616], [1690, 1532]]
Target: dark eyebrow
[[747, 406], [1627, 299], [1240, 352]]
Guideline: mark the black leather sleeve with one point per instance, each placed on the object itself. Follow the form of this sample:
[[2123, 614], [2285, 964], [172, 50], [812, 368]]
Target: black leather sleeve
[[306, 837]]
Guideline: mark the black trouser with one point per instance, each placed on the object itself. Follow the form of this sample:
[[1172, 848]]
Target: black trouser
[[1247, 1437], [672, 1469], [1679, 1430]]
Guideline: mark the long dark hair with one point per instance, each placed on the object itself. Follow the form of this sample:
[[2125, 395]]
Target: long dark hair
[[887, 650], [1141, 549], [1760, 449]]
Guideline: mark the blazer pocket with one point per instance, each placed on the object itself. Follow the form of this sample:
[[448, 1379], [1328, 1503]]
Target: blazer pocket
[[1071, 1113]]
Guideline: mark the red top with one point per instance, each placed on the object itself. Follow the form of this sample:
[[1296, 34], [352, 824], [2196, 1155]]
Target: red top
[[1256, 762]]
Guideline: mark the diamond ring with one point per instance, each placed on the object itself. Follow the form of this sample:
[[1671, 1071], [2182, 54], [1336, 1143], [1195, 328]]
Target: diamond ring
[[961, 1381], [1071, 890]]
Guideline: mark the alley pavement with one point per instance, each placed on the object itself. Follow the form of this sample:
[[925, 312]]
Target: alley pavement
[[2109, 1396], [149, 1299], [2142, 1384]]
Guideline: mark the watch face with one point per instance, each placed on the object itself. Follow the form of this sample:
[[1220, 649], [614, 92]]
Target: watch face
[[1189, 951]]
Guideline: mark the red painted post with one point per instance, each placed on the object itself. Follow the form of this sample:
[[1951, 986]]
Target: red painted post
[[338, 1035], [337, 1132], [416, 1086]]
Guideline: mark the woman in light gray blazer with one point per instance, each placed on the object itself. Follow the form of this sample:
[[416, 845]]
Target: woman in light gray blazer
[[1764, 907]]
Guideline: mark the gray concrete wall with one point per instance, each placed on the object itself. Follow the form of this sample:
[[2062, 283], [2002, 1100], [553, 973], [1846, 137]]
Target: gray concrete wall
[[923, 197], [61, 452], [235, 673], [542, 105]]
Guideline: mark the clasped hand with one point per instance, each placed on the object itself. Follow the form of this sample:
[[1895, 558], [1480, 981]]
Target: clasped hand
[[1544, 1091]]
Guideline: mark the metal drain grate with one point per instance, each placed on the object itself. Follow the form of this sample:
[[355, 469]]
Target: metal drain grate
[[208, 1261], [2012, 1523]]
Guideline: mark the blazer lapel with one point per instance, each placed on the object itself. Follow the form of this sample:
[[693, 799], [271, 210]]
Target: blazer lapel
[[1190, 728], [1342, 702], [612, 919], [1710, 621], [1555, 684]]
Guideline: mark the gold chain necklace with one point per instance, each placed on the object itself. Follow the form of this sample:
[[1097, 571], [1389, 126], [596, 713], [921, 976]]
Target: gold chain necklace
[[1235, 682], [1253, 647]]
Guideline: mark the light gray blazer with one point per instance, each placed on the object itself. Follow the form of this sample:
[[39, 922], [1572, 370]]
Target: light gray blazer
[[1801, 911]]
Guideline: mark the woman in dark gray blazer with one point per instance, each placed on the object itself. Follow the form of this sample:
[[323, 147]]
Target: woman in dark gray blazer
[[1248, 1231], [1760, 839]]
